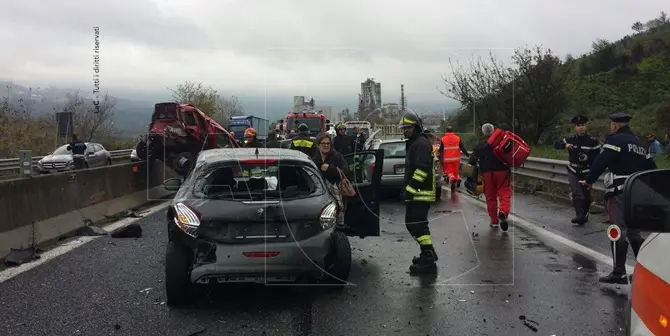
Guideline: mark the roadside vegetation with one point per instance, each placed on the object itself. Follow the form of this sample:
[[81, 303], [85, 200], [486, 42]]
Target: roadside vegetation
[[540, 92]]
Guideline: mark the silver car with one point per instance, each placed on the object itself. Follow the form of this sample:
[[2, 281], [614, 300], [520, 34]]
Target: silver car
[[61, 159], [393, 172], [263, 215]]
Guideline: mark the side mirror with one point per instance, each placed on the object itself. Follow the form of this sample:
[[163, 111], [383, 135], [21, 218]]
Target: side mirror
[[647, 201], [172, 184]]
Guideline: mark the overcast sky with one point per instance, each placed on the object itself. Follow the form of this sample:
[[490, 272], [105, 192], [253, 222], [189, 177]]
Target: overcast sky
[[286, 48]]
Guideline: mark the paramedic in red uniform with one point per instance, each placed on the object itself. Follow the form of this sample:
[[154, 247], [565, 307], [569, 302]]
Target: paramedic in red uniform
[[496, 180], [450, 157]]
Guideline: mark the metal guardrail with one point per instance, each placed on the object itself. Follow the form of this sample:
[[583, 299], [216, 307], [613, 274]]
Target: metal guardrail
[[548, 170], [539, 168], [13, 164]]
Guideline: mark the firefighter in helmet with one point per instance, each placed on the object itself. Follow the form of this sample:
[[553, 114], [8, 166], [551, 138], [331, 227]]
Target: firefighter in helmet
[[303, 142], [250, 138], [419, 191]]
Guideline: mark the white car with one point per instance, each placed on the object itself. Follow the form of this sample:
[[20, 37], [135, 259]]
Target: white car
[[647, 208]]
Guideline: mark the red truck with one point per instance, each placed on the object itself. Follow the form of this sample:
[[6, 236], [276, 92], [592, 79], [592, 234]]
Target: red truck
[[315, 122], [177, 134]]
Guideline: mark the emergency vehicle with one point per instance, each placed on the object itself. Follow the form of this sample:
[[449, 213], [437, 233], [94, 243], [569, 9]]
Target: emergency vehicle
[[316, 123], [647, 208]]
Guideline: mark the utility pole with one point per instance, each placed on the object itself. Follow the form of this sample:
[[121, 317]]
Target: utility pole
[[402, 98]]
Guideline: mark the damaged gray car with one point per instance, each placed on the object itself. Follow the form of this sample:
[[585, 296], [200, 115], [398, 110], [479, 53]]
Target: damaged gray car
[[263, 216]]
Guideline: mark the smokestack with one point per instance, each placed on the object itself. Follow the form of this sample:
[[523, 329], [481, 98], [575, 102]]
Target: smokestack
[[402, 98]]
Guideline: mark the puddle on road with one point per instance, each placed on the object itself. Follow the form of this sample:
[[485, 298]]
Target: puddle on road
[[584, 262]]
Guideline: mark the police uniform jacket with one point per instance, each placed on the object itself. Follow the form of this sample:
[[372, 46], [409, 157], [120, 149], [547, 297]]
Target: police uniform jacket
[[419, 171], [623, 155], [78, 148], [582, 145], [304, 143]]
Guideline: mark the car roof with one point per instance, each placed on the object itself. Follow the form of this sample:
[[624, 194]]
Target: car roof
[[229, 154], [392, 141]]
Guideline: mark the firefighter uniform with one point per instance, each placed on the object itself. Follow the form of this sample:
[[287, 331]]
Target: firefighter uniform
[[303, 142], [585, 149], [450, 157], [623, 154], [342, 142], [419, 192]]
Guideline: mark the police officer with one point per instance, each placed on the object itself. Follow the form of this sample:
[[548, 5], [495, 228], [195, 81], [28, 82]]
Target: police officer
[[419, 191], [78, 149], [583, 150], [303, 142], [623, 154]]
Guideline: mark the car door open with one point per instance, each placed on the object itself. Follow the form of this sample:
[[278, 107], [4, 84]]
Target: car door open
[[362, 212]]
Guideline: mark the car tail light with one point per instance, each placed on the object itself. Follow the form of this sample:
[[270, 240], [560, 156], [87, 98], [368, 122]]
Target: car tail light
[[328, 216], [649, 295], [260, 254], [187, 219]]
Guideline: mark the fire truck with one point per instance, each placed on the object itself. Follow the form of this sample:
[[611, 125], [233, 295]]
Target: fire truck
[[315, 121]]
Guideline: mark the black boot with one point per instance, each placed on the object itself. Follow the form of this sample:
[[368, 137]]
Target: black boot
[[578, 205], [504, 225], [425, 263], [416, 260], [616, 277], [582, 220]]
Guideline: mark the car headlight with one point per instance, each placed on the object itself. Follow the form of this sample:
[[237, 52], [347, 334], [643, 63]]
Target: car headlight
[[328, 216], [186, 219]]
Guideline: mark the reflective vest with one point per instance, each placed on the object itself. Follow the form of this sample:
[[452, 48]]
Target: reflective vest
[[451, 150], [303, 143]]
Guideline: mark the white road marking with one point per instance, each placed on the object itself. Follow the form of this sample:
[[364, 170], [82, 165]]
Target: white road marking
[[546, 234], [74, 243]]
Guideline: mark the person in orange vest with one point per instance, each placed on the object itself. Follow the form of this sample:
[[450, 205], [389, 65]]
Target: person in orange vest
[[450, 157]]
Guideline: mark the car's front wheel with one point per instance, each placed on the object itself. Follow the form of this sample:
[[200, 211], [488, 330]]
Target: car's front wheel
[[338, 260], [177, 274]]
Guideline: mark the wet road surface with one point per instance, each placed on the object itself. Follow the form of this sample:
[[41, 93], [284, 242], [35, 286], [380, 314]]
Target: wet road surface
[[487, 283], [555, 217]]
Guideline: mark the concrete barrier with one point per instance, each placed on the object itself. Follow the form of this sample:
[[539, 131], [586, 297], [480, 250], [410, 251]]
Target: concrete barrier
[[44, 208]]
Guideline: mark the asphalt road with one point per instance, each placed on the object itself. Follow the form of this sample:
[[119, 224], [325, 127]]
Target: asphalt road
[[487, 284]]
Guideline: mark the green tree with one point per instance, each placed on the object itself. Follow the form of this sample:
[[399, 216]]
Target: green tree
[[638, 27], [203, 97]]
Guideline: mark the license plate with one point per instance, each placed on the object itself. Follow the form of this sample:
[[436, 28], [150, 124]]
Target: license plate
[[399, 170]]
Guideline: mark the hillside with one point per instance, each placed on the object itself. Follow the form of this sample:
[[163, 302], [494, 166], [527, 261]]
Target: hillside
[[541, 93]]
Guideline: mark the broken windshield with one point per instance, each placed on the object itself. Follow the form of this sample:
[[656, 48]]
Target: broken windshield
[[256, 181]]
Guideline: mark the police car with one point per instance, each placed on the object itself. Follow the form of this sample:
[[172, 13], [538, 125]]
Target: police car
[[647, 208]]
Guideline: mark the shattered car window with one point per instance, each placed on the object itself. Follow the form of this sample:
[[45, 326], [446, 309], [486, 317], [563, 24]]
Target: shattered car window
[[244, 181]]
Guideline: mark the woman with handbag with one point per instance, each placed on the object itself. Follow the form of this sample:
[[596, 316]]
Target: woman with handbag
[[332, 166]]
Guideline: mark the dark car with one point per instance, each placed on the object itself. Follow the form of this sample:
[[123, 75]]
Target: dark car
[[262, 215]]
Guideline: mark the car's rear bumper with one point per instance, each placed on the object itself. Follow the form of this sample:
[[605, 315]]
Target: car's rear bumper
[[637, 326], [393, 181], [295, 259]]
